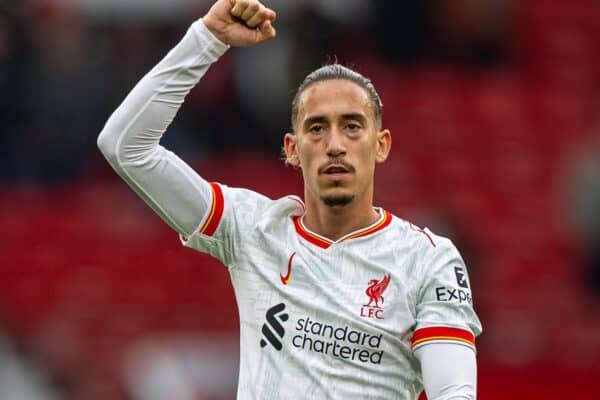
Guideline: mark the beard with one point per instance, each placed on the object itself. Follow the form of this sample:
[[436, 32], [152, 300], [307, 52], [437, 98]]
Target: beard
[[337, 201]]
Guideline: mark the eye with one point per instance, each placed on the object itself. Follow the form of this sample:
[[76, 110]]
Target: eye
[[316, 129], [353, 127]]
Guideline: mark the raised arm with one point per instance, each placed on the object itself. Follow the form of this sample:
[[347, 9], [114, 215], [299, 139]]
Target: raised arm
[[130, 140]]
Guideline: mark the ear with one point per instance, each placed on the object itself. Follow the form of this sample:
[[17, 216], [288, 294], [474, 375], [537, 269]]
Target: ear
[[291, 150], [384, 145]]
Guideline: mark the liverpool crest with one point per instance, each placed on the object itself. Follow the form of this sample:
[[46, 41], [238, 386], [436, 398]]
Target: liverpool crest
[[373, 309]]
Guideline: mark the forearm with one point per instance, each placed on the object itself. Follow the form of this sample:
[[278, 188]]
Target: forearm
[[449, 371], [130, 138]]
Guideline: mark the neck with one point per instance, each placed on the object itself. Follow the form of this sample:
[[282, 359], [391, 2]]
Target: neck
[[335, 222]]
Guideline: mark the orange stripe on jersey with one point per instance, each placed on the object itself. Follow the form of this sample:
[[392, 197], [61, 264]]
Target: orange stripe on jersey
[[216, 211], [385, 221], [309, 236], [442, 333]]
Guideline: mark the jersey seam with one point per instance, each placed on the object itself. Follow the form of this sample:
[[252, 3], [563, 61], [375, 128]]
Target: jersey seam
[[221, 244]]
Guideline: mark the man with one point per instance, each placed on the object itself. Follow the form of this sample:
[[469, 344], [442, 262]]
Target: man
[[337, 299]]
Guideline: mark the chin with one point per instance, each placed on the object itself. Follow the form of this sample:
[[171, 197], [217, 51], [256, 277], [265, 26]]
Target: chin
[[337, 200]]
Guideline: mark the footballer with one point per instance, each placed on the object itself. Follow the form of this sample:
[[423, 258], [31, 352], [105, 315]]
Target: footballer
[[337, 297]]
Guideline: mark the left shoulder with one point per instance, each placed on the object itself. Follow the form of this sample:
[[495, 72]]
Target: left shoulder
[[419, 237], [279, 211]]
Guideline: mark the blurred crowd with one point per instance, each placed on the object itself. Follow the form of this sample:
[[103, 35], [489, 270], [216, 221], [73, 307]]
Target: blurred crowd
[[495, 112], [67, 64]]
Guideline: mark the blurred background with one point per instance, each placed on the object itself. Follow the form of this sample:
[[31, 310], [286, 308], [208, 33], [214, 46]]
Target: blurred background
[[494, 107]]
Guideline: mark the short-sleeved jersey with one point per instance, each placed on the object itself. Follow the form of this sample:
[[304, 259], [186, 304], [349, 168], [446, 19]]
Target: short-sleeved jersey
[[322, 319]]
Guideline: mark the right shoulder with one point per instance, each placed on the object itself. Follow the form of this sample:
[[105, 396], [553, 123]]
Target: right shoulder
[[243, 200], [250, 208], [233, 215]]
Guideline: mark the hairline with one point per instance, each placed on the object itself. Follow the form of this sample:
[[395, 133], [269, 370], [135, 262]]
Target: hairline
[[332, 72], [371, 105]]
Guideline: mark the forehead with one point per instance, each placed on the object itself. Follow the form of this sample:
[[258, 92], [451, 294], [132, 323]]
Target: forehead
[[334, 97]]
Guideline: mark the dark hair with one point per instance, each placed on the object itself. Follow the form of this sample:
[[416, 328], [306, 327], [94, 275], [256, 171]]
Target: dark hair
[[338, 71]]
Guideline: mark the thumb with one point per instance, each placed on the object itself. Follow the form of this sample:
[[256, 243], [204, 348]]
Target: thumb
[[266, 31]]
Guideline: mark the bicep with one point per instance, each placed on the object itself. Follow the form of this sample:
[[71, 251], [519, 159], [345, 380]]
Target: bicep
[[449, 371], [180, 196]]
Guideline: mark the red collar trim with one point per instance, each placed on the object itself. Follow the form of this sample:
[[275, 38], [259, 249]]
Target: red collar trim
[[311, 237], [384, 220]]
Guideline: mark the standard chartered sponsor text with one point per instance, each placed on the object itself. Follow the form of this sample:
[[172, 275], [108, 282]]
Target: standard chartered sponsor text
[[342, 342]]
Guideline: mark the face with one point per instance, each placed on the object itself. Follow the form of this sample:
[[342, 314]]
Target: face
[[337, 142]]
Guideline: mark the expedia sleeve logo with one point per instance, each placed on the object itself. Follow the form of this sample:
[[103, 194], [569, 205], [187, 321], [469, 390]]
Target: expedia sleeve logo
[[451, 293], [273, 330], [461, 277]]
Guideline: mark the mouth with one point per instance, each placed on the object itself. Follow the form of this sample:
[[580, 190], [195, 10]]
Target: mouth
[[336, 169], [336, 172]]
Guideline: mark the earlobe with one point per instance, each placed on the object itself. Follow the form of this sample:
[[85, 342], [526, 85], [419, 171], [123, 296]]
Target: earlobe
[[293, 161], [290, 151]]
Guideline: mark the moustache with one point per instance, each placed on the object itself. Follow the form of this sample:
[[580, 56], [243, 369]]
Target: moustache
[[337, 162]]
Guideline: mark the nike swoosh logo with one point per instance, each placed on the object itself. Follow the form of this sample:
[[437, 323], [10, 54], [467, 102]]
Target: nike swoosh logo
[[286, 279]]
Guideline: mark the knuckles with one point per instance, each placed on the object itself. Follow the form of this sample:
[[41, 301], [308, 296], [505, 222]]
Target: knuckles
[[251, 13], [252, 8]]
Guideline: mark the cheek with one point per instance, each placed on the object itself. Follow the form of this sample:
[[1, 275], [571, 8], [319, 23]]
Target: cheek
[[367, 166], [305, 157]]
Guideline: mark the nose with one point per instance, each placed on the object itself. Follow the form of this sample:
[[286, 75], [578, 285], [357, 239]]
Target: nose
[[335, 144]]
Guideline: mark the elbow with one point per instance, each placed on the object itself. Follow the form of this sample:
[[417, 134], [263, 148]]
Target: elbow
[[121, 142], [107, 143]]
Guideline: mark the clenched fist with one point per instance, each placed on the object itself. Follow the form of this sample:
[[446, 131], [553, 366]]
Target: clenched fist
[[240, 22]]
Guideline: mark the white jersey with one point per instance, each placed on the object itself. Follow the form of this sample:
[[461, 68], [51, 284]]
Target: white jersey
[[334, 320], [350, 319]]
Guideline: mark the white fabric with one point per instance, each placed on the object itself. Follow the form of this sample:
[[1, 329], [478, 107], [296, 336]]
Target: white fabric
[[256, 238], [334, 343], [130, 139], [449, 371]]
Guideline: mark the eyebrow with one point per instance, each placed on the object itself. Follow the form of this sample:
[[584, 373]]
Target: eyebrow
[[360, 117]]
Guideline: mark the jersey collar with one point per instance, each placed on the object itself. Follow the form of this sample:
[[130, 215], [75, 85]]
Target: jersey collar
[[384, 220]]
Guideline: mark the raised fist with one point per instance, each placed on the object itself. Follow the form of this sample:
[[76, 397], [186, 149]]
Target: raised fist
[[240, 22]]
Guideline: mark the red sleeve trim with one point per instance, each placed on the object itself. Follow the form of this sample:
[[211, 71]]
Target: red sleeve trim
[[444, 334], [216, 211]]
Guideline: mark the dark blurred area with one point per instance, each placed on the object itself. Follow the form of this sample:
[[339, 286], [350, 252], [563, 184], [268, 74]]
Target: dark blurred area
[[495, 114]]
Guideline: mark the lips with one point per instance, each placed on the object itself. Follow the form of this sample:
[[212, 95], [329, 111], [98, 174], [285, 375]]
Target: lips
[[336, 169]]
